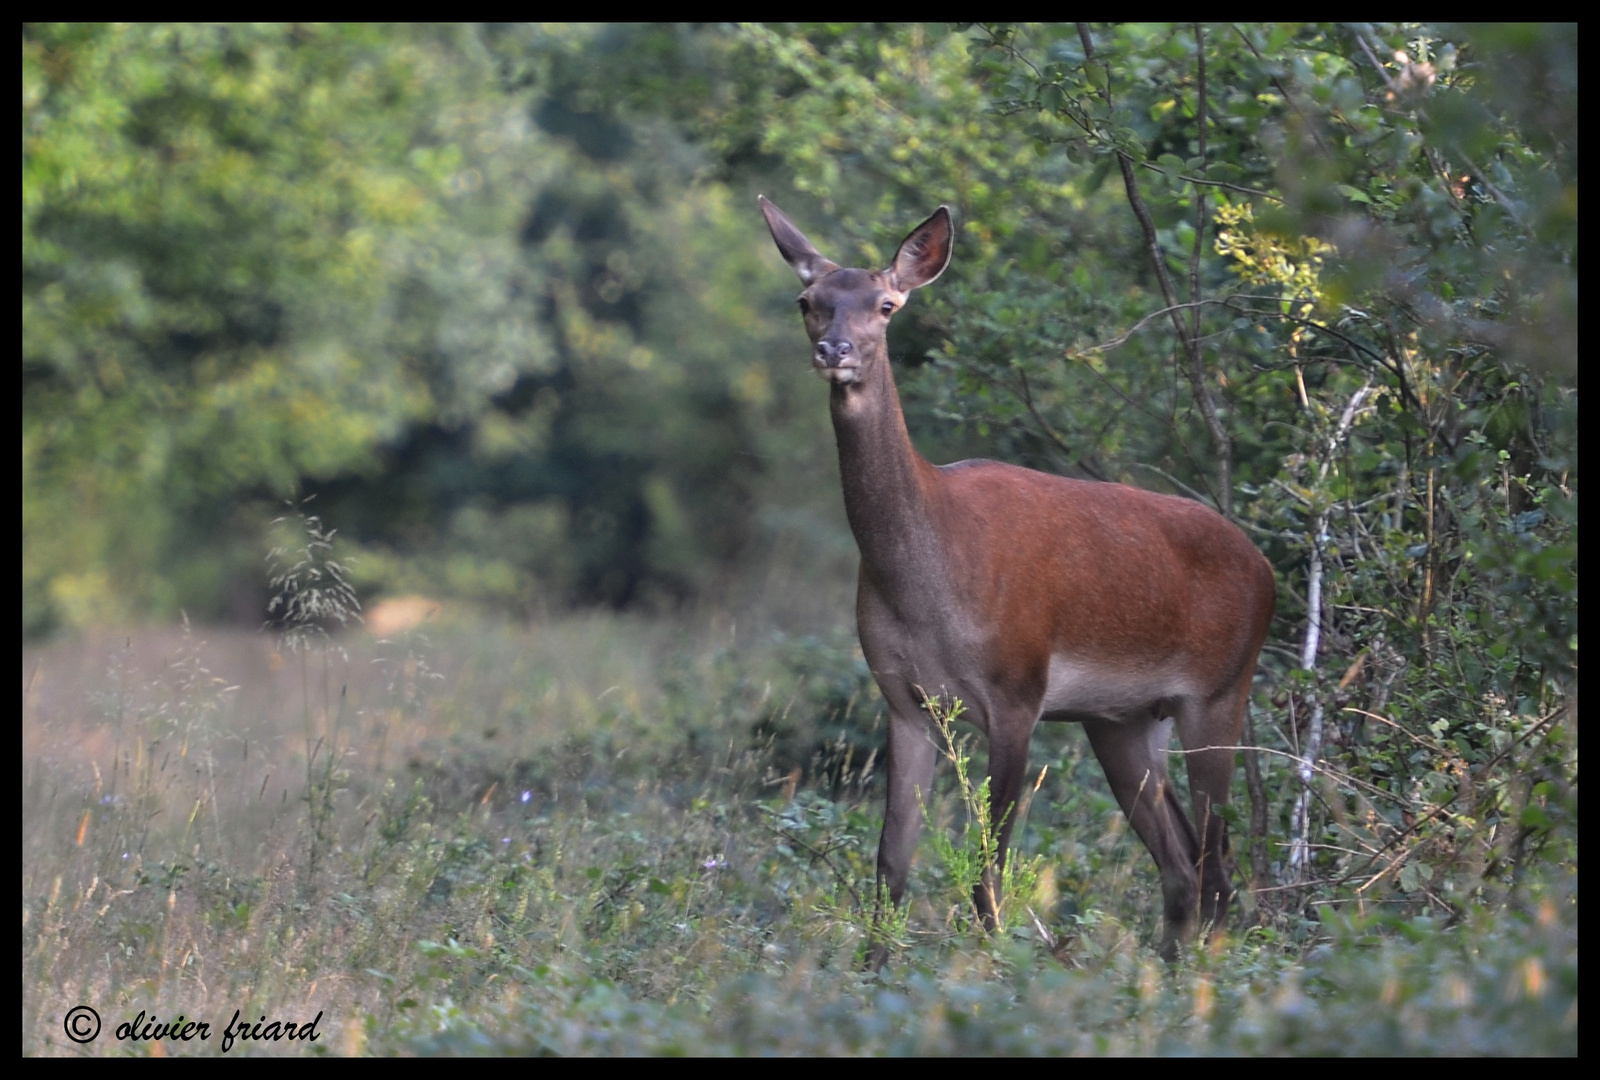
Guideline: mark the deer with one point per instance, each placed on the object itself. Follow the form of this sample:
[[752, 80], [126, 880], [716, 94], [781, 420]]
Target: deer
[[1029, 596]]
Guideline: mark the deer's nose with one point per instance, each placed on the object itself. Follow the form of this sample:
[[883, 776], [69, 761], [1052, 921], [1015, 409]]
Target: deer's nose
[[833, 353]]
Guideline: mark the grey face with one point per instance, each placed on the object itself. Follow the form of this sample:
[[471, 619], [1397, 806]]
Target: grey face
[[846, 310], [847, 314]]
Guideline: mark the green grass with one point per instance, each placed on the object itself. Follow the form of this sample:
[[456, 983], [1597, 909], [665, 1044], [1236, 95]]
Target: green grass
[[605, 835]]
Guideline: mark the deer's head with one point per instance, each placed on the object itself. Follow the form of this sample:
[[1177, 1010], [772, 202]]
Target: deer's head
[[847, 311]]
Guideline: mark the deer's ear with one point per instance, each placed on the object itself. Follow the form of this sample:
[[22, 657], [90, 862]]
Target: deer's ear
[[793, 245], [924, 253]]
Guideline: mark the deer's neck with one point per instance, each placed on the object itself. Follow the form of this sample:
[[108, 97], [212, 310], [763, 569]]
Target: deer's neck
[[888, 486]]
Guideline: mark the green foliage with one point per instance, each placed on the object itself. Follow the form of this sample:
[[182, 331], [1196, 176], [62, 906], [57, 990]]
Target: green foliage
[[1387, 334]]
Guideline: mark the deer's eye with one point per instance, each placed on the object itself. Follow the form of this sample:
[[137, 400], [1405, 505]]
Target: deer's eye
[[887, 308], [805, 306]]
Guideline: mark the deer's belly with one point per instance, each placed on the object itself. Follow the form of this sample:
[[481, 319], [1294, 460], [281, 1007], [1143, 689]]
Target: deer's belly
[[1076, 689]]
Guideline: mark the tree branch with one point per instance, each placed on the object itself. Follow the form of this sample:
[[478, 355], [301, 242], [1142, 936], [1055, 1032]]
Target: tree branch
[[1200, 192], [1193, 367], [1050, 432]]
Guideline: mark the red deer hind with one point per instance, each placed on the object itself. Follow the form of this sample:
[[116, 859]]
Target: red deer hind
[[1032, 597]]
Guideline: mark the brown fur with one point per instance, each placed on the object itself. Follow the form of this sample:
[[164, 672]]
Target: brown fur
[[1030, 596]]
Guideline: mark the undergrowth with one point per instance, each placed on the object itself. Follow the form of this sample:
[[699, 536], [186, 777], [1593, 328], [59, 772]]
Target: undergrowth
[[604, 836]]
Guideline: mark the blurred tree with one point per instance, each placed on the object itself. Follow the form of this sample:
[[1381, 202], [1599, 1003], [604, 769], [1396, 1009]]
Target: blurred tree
[[427, 273], [625, 471], [250, 256]]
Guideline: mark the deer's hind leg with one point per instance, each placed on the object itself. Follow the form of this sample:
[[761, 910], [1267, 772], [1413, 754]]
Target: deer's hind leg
[[1210, 731], [1133, 753]]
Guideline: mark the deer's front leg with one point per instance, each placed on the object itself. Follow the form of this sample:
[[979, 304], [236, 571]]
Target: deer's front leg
[[1009, 736], [912, 756]]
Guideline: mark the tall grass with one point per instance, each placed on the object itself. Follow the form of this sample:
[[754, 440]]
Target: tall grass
[[605, 835]]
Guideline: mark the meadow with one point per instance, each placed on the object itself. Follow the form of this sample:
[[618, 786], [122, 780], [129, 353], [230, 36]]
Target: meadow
[[601, 834]]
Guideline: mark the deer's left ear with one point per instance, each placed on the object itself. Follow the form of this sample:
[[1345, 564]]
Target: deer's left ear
[[924, 253]]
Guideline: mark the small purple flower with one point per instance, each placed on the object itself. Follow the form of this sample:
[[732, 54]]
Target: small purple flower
[[716, 862], [526, 795]]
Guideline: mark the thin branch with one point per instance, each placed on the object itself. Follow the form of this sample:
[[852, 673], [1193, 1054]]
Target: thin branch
[[1257, 192], [1407, 397], [1050, 432], [1479, 774], [1499, 197], [1173, 480], [1322, 770], [1200, 192], [1258, 801], [1385, 720], [1121, 340], [823, 855], [1193, 368], [1361, 39], [1271, 534], [1299, 852], [1300, 885], [1167, 421], [1288, 98]]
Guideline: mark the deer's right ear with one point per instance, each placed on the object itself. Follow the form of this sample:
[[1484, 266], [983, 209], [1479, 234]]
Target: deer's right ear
[[924, 253], [793, 245]]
